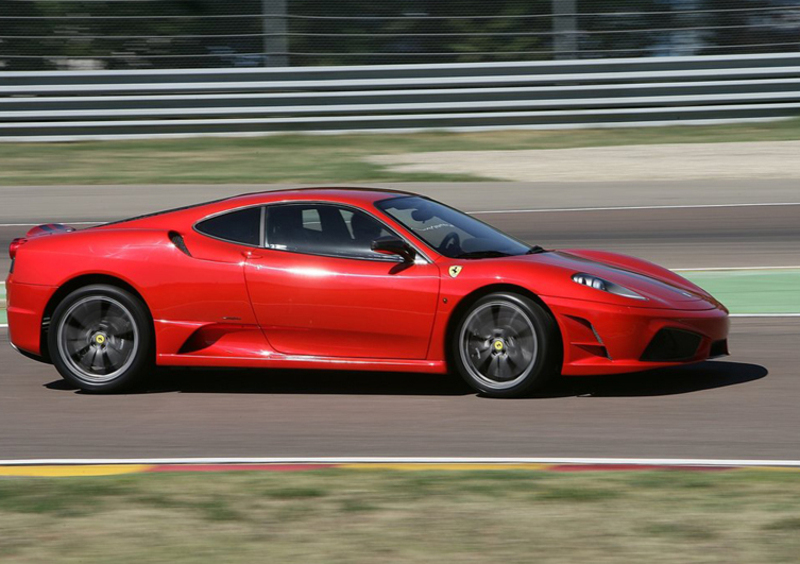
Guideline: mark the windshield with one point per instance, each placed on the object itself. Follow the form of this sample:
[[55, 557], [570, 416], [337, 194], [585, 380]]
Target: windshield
[[452, 233]]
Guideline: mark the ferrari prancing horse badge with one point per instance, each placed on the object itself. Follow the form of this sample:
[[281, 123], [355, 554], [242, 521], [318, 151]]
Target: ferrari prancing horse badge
[[455, 270]]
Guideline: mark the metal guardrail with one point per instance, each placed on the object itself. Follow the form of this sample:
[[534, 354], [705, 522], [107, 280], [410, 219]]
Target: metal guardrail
[[59, 106]]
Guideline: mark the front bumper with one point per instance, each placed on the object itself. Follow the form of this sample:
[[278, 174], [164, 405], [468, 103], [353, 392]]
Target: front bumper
[[608, 339]]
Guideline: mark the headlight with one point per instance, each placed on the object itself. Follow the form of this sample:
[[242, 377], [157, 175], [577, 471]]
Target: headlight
[[605, 286]]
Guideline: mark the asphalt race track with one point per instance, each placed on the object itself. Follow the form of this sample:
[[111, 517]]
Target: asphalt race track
[[744, 407]]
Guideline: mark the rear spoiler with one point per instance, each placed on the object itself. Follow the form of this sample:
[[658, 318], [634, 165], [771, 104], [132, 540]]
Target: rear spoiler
[[38, 231], [48, 229]]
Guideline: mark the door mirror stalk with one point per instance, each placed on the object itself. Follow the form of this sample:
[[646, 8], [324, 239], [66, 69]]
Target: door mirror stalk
[[394, 246]]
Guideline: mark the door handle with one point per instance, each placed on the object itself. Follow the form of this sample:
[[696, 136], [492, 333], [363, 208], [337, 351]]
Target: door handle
[[251, 255]]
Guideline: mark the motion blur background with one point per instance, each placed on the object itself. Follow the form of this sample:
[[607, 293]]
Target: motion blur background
[[75, 69], [537, 116], [141, 34]]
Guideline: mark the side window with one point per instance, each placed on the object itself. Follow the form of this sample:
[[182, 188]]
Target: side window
[[323, 229], [242, 226]]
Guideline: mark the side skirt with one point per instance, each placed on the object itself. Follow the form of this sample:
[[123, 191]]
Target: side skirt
[[275, 360]]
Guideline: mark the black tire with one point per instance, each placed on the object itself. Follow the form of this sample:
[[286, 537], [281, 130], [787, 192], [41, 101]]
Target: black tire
[[101, 339], [506, 345]]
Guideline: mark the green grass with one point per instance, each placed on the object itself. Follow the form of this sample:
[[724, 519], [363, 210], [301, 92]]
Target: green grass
[[383, 516], [317, 159]]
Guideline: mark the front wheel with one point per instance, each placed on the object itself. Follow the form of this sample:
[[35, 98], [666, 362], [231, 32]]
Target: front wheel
[[506, 345], [100, 338]]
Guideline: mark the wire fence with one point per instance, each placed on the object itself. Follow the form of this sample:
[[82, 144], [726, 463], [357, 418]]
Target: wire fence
[[120, 34]]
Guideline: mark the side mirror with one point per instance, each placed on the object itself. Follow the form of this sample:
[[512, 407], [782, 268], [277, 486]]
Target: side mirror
[[394, 246]]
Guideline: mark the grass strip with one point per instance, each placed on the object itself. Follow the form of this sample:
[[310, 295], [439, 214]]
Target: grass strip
[[385, 516], [317, 159]]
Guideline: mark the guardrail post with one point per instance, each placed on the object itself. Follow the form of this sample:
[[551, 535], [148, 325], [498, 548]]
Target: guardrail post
[[275, 38], [565, 40]]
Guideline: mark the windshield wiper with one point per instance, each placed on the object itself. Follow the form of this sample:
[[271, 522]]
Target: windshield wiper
[[535, 250], [482, 254]]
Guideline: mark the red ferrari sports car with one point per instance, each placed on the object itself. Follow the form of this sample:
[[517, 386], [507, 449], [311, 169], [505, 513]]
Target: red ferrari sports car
[[339, 278]]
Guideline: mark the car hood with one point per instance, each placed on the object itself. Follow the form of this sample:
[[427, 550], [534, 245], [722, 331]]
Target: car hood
[[662, 288]]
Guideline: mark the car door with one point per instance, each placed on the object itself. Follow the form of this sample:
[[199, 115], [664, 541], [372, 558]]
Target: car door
[[318, 289]]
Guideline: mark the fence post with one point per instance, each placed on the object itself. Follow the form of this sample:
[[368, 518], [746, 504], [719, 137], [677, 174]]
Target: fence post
[[565, 26], [275, 38]]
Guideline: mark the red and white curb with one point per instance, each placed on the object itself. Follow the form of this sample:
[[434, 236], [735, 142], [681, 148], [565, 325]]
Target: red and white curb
[[107, 467]]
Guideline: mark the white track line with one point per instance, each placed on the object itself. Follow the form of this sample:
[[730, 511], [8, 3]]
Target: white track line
[[406, 460], [611, 208], [538, 210], [623, 208], [754, 315], [726, 268]]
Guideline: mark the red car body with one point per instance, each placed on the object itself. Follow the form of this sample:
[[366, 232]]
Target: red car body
[[232, 305]]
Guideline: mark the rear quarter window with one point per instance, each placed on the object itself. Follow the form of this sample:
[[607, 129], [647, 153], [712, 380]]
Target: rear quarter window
[[241, 226]]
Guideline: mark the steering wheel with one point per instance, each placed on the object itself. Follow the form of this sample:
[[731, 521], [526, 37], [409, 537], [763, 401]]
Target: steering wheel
[[450, 244]]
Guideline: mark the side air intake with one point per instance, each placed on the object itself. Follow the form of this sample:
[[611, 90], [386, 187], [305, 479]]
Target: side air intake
[[177, 240]]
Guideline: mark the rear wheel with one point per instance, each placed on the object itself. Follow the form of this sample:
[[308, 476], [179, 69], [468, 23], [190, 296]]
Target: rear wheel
[[100, 338], [506, 345]]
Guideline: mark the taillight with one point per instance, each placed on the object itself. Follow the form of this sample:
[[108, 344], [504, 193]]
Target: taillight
[[15, 244]]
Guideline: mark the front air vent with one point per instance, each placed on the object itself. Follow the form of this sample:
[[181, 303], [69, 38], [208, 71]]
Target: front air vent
[[672, 345], [177, 240]]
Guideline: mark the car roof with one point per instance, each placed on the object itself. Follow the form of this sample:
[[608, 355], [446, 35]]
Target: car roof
[[346, 195], [337, 194]]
